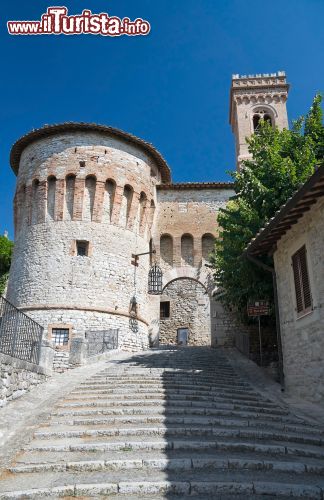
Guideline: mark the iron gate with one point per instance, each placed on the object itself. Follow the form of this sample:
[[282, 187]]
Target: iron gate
[[20, 336]]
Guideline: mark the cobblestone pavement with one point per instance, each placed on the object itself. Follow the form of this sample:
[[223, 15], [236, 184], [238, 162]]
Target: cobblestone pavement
[[190, 422]]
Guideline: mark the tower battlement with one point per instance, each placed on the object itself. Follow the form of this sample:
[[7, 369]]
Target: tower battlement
[[278, 74]]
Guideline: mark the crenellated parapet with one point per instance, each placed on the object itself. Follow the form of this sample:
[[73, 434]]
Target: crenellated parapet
[[84, 183]]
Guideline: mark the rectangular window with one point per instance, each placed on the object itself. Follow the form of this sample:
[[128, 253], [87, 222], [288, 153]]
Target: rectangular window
[[164, 310], [60, 336], [301, 279], [82, 248]]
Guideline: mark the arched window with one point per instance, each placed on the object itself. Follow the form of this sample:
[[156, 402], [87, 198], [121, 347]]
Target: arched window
[[187, 250], [261, 114], [69, 196], [207, 245], [150, 217], [35, 201], [89, 197], [126, 205], [166, 250], [108, 203], [143, 204], [51, 193]]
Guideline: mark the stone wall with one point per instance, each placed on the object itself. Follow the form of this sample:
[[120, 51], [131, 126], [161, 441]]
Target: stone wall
[[189, 308], [223, 325], [97, 190], [184, 235], [80, 321], [88, 187], [302, 337], [189, 217], [18, 377]]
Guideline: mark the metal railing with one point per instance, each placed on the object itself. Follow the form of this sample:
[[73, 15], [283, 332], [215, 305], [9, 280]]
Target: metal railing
[[100, 341], [20, 336]]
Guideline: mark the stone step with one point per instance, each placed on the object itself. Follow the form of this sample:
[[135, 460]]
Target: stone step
[[106, 487], [181, 430], [150, 375], [207, 395], [182, 410], [177, 399], [105, 409], [171, 389], [158, 424], [112, 394], [165, 463], [195, 420], [187, 402], [158, 443], [120, 381], [311, 465], [204, 396], [167, 385]]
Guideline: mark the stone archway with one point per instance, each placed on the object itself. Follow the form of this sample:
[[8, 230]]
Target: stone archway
[[185, 303]]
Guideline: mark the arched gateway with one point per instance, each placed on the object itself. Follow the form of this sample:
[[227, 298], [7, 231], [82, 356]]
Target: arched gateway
[[185, 313]]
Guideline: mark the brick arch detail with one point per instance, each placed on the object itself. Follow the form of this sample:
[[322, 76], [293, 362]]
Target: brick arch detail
[[180, 277]]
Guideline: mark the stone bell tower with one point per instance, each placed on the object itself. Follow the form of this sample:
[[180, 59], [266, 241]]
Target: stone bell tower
[[255, 97]]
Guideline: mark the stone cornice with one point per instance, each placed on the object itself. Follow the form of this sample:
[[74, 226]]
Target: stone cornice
[[105, 310]]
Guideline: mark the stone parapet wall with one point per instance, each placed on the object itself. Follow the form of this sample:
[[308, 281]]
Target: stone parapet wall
[[18, 377], [91, 320]]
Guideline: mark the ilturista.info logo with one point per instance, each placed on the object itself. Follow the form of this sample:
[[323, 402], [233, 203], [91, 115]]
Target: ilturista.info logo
[[56, 21]]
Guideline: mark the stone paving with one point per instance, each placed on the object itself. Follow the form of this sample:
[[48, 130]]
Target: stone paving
[[161, 424]]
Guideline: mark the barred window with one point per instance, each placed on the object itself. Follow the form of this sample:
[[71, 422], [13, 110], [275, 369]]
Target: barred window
[[164, 310], [301, 279], [60, 336]]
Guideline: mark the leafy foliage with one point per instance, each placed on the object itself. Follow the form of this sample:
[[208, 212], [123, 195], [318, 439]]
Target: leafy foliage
[[6, 248], [281, 162]]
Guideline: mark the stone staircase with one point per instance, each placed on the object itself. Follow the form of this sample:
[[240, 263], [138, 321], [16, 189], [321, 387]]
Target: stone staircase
[[169, 423]]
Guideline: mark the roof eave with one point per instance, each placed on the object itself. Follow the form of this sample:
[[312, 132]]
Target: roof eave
[[49, 130]]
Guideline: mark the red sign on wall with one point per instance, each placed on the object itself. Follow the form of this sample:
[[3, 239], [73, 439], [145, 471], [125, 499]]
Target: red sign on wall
[[258, 308]]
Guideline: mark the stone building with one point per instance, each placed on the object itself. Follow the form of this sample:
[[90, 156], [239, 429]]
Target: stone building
[[295, 237], [89, 197]]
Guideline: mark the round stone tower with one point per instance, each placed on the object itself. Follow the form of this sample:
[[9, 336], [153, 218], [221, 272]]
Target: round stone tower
[[85, 202]]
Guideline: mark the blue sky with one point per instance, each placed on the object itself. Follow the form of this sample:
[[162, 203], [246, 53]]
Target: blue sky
[[170, 88]]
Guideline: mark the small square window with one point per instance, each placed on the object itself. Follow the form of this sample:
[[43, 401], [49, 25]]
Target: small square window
[[60, 336], [82, 248], [164, 310]]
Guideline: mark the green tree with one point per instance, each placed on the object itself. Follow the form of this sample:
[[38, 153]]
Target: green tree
[[281, 161], [6, 248], [314, 127]]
